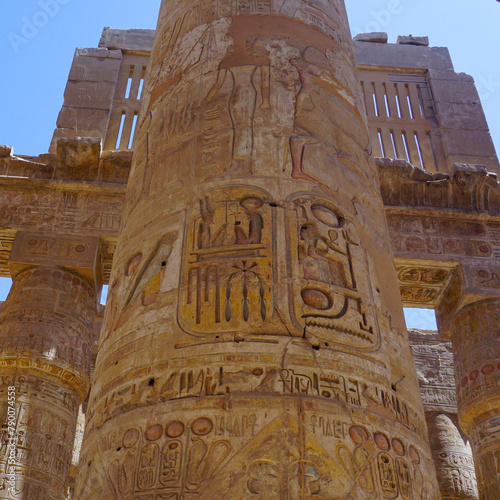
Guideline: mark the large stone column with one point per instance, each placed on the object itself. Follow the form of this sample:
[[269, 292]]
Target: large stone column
[[476, 348], [450, 447], [452, 456], [45, 353], [254, 343]]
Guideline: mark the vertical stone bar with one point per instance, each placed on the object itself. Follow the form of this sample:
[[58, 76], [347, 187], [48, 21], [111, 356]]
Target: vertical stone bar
[[476, 348], [254, 344], [45, 353]]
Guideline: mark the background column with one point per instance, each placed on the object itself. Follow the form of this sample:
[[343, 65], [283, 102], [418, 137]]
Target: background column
[[450, 447], [45, 353], [476, 347]]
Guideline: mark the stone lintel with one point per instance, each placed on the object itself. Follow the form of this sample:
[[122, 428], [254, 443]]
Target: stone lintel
[[95, 65], [99, 52], [40, 167], [115, 166], [78, 158], [70, 133], [424, 282], [79, 254], [61, 207]]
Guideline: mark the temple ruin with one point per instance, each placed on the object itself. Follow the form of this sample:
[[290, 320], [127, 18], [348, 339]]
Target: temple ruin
[[262, 194]]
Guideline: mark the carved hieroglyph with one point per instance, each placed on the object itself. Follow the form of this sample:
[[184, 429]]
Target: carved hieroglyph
[[254, 343]]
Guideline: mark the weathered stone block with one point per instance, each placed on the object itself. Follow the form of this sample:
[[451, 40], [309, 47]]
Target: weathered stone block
[[76, 252], [468, 142], [413, 40], [467, 168], [98, 95], [453, 91], [78, 159], [467, 115], [132, 40], [377, 37], [115, 166], [30, 168], [47, 159], [437, 74], [99, 52], [402, 56], [65, 133], [491, 162], [6, 151], [94, 68], [83, 119]]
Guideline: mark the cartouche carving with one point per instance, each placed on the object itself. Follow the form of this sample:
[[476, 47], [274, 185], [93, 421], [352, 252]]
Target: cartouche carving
[[326, 252], [228, 271]]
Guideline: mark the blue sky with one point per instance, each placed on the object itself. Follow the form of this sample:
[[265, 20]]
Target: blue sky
[[38, 38]]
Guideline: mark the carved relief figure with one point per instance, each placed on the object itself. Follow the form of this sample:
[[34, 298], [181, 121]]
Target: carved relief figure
[[321, 97], [204, 228], [255, 222], [242, 97], [250, 206]]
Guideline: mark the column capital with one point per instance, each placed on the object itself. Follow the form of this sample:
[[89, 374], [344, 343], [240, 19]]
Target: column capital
[[472, 283], [78, 254]]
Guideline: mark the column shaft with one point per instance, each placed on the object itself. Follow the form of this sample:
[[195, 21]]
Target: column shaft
[[254, 344], [453, 458], [476, 349], [45, 354]]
